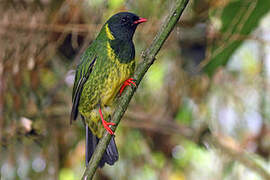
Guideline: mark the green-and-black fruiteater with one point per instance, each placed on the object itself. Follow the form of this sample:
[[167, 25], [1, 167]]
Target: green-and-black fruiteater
[[105, 69]]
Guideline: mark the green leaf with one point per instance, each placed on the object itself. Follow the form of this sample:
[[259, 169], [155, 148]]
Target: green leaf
[[238, 19]]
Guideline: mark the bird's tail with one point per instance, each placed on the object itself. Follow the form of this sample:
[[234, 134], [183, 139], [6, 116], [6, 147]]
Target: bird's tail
[[110, 155]]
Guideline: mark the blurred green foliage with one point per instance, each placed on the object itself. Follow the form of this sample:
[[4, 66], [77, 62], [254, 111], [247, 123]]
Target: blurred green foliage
[[210, 80], [238, 19]]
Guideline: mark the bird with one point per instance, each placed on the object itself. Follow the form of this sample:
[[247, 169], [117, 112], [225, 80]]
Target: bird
[[104, 71]]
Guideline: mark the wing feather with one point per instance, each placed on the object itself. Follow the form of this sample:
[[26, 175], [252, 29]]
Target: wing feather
[[82, 74]]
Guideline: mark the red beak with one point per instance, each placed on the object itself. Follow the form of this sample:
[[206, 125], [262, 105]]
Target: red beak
[[141, 20]]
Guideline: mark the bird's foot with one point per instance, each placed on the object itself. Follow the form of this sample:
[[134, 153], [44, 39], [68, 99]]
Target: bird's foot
[[106, 124], [128, 82]]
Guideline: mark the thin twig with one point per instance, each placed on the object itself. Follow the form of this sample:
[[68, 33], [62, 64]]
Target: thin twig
[[148, 59]]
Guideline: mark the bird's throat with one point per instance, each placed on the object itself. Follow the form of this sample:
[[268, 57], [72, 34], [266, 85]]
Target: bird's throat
[[123, 50]]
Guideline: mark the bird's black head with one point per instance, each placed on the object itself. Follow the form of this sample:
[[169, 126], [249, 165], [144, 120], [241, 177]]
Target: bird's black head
[[123, 25]]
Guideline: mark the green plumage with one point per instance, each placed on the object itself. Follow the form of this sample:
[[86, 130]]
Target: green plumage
[[103, 84], [104, 66]]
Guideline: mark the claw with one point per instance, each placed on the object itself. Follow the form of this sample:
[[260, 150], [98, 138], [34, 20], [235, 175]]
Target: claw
[[105, 123], [128, 82]]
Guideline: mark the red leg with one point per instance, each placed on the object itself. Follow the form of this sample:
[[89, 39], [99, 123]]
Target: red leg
[[105, 123], [128, 82]]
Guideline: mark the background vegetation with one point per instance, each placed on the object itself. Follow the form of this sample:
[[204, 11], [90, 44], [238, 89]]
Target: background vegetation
[[201, 112]]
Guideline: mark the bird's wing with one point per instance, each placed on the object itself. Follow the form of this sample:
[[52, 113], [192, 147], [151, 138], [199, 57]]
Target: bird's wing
[[83, 71]]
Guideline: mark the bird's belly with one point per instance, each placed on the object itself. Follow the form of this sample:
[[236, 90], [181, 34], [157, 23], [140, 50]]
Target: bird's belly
[[116, 78]]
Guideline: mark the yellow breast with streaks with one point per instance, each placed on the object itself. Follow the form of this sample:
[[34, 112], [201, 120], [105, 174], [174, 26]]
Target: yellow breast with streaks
[[119, 72]]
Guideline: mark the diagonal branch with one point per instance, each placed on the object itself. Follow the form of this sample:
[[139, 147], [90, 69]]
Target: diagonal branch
[[148, 59]]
